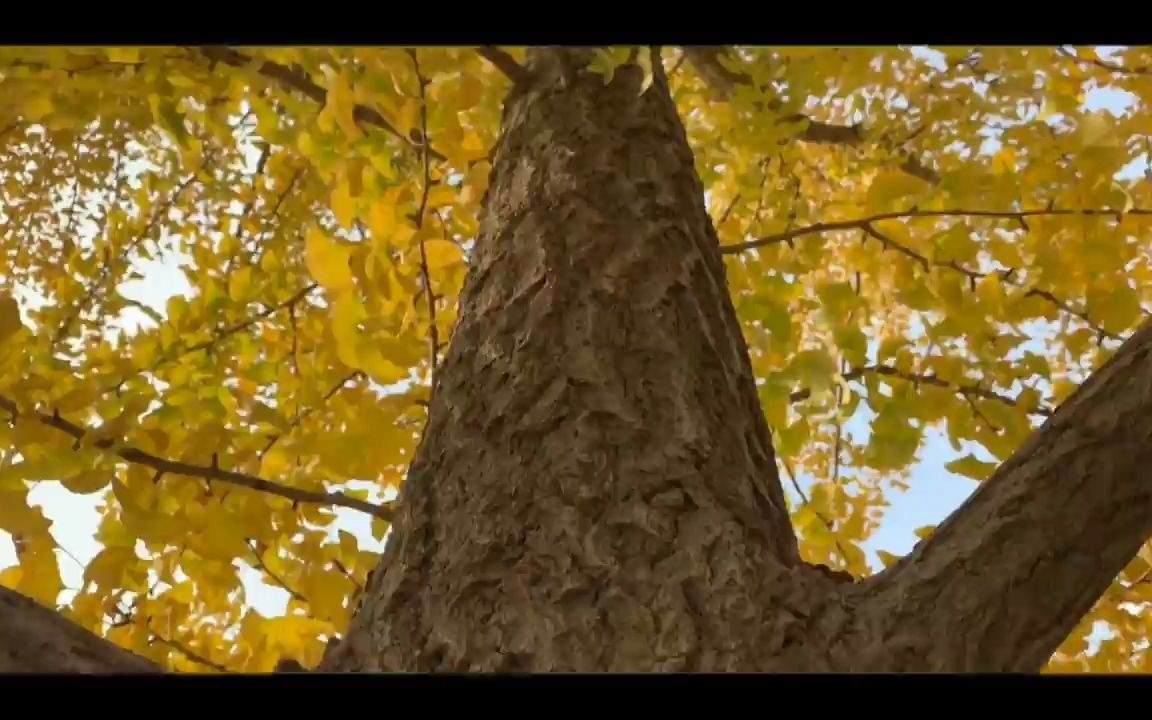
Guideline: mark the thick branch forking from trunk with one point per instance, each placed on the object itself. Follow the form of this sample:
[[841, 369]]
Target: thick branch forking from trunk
[[34, 638], [1006, 578]]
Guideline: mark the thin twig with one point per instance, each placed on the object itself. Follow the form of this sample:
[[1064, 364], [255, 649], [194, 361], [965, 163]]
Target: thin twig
[[288, 304], [678, 64], [823, 520], [188, 652], [505, 63], [300, 81], [933, 380], [433, 333], [117, 181], [1008, 276], [210, 473], [860, 223], [348, 574], [106, 268], [275, 578], [839, 431], [889, 243], [260, 165], [728, 210], [1110, 67], [983, 418], [301, 416], [224, 334]]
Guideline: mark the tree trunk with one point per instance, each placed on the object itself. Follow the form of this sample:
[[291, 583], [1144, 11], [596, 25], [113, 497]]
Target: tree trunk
[[596, 487]]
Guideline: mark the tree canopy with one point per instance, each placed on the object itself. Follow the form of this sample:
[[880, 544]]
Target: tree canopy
[[915, 238]]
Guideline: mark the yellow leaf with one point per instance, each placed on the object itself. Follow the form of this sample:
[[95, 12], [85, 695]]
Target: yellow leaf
[[77, 398], [373, 362], [181, 592], [123, 55], [476, 182], [442, 253], [441, 195], [38, 106], [887, 558], [327, 260], [87, 482], [892, 185], [925, 532], [10, 577], [1097, 131], [17, 517], [107, 569], [1116, 308], [240, 284], [223, 540], [1028, 399], [289, 633], [970, 466], [276, 462], [349, 549], [1004, 162], [343, 105], [343, 204], [347, 312], [991, 292], [150, 526], [381, 221], [327, 593], [9, 316], [379, 528], [40, 576], [112, 533]]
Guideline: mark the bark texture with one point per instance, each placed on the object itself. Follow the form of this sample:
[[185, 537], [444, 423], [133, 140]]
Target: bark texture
[[1007, 577], [596, 488], [36, 639]]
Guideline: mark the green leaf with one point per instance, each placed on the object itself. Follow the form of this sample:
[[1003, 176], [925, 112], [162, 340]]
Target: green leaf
[[969, 466]]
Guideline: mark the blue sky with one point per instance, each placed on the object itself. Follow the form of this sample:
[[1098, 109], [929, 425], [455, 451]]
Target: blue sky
[[933, 491]]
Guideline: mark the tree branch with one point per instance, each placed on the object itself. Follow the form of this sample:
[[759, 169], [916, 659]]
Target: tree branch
[[706, 61], [288, 304], [298, 80], [212, 473], [860, 223], [889, 371], [1103, 64], [1001, 583], [505, 63], [275, 578], [1007, 276], [301, 416], [36, 639], [189, 653], [433, 333]]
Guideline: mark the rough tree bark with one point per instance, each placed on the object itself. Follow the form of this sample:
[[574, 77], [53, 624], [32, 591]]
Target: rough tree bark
[[596, 487], [36, 639]]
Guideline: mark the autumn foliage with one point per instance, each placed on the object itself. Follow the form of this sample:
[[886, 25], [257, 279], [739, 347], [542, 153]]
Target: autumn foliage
[[915, 238]]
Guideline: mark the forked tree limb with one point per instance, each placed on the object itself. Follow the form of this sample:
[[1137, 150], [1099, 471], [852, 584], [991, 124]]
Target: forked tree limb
[[1004, 580]]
